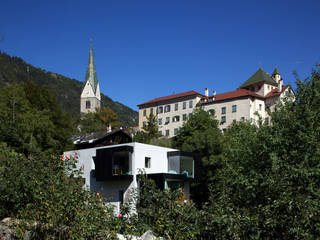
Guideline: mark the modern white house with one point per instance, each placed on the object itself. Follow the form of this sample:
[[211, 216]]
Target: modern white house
[[114, 170]]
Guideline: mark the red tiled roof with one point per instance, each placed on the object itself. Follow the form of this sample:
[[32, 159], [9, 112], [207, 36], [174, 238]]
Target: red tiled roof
[[275, 92], [173, 96], [234, 94]]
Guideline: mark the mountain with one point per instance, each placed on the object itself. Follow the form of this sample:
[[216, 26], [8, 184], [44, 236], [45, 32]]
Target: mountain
[[14, 69]]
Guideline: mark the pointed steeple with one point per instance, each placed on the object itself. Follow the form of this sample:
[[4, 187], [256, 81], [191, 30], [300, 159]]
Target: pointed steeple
[[91, 75], [90, 98]]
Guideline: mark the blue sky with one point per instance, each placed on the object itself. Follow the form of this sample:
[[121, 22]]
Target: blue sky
[[145, 49]]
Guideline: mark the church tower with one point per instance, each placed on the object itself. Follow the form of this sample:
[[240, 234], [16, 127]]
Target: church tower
[[90, 97]]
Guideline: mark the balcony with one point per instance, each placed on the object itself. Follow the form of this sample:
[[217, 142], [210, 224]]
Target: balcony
[[113, 163]]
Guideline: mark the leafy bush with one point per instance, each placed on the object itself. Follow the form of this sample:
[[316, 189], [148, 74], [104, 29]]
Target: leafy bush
[[166, 212], [48, 201]]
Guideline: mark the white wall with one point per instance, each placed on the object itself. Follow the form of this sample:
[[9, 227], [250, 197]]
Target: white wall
[[158, 155], [243, 110]]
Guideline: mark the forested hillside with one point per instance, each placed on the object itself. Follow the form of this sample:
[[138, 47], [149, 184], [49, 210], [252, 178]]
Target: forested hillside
[[14, 69]]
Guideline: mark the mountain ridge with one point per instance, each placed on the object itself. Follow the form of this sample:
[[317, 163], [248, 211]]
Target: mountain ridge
[[68, 90]]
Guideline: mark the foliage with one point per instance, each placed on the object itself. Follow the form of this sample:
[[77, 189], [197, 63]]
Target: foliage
[[31, 119], [67, 90], [164, 212], [49, 202], [97, 121], [162, 142], [268, 185], [150, 131], [141, 137], [201, 135], [108, 116]]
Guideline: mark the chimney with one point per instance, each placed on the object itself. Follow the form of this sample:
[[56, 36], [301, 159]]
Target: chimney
[[214, 92], [280, 83], [206, 92]]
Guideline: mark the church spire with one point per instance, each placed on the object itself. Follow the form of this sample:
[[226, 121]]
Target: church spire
[[91, 75], [90, 98]]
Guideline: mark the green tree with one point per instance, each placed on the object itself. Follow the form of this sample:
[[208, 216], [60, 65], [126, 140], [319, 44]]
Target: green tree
[[90, 122], [268, 185], [108, 117], [97, 121], [150, 130], [32, 121], [47, 190], [201, 135], [164, 212]]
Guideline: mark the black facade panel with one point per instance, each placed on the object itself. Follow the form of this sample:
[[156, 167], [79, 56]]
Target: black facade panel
[[103, 164]]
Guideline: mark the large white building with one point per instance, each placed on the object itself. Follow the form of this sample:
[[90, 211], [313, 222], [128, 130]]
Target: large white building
[[171, 111], [90, 98], [113, 171], [252, 101]]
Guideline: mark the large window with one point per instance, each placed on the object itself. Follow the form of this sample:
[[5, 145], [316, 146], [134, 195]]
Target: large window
[[234, 108], [144, 112], [190, 104], [176, 107], [160, 121], [181, 164], [120, 163], [151, 110], [184, 105], [167, 120], [223, 110], [88, 104]]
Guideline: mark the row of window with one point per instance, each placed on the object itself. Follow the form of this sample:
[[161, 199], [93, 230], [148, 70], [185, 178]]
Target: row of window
[[223, 120], [167, 108], [167, 132], [174, 119], [224, 109]]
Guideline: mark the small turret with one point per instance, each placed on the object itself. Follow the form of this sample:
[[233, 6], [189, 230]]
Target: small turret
[[276, 75]]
